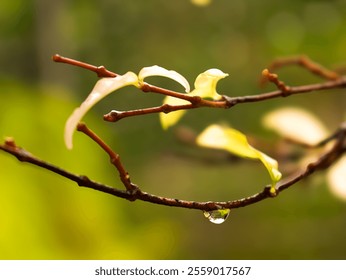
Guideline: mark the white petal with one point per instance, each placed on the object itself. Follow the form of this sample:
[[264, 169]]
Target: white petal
[[102, 88], [159, 71]]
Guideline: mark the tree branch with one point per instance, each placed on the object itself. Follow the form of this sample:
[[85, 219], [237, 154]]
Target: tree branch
[[306, 63], [225, 102], [133, 192]]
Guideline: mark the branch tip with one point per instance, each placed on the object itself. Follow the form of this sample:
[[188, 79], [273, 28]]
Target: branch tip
[[274, 78], [56, 58], [81, 126], [100, 71]]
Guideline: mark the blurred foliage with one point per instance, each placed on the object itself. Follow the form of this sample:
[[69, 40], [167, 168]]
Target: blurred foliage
[[44, 216]]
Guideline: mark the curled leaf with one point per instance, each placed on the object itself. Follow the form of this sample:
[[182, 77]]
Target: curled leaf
[[235, 142], [296, 124], [167, 121], [102, 88], [159, 71]]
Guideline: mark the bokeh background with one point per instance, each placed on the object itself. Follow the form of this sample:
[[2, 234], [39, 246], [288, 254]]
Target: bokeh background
[[44, 216]]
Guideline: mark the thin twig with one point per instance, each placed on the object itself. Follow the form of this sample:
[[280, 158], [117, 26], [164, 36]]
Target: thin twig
[[24, 156], [114, 157], [306, 63], [101, 71], [271, 77], [225, 101], [340, 83], [114, 115]]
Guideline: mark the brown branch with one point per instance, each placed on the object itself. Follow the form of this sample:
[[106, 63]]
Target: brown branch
[[133, 192], [306, 63], [340, 83], [115, 115], [225, 102], [101, 71], [22, 155], [271, 77], [114, 157]]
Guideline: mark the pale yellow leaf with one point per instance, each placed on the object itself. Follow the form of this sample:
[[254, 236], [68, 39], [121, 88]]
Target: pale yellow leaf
[[336, 178], [235, 142], [226, 138], [102, 88], [205, 83]]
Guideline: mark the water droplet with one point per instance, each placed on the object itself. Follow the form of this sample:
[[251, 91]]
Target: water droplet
[[217, 216]]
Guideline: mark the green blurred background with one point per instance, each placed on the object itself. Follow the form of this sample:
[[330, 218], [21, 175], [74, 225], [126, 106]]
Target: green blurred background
[[44, 216]]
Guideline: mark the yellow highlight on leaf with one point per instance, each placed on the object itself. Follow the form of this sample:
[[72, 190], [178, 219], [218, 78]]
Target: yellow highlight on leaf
[[235, 142]]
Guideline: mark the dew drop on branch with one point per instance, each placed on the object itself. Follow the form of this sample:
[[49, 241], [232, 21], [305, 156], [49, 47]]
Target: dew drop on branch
[[217, 216]]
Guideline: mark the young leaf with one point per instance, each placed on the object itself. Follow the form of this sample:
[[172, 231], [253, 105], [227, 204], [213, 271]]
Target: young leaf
[[205, 83], [159, 71], [235, 142], [102, 88]]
